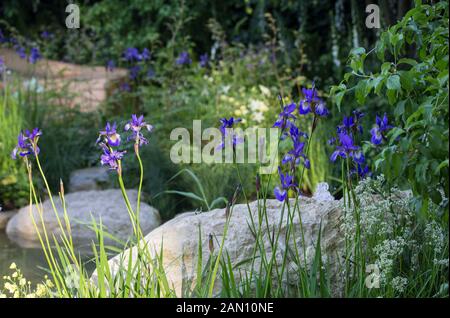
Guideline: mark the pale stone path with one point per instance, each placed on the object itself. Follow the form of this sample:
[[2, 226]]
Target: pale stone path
[[86, 86]]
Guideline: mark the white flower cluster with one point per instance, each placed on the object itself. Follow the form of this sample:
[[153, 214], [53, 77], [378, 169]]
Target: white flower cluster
[[399, 284], [435, 237], [387, 253], [393, 238]]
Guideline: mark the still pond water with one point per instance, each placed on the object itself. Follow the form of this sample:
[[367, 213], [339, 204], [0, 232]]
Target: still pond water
[[30, 261]]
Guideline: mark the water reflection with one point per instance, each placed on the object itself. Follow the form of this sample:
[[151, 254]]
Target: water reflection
[[31, 261]]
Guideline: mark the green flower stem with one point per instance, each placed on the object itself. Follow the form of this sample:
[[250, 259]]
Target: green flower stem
[[127, 201], [141, 179]]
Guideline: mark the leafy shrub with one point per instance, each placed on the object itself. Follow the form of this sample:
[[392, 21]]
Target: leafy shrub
[[413, 80]]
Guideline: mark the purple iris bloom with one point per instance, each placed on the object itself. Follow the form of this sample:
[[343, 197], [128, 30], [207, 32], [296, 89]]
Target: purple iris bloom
[[296, 134], [34, 134], [345, 148], [46, 35], [228, 123], [183, 59], [378, 132], [20, 50], [132, 54], [146, 55], [284, 117], [225, 127], [23, 147], [280, 194], [2, 65], [304, 107], [294, 156], [331, 141], [27, 143], [135, 125], [351, 124], [134, 72], [358, 114], [125, 87], [2, 37], [358, 157], [204, 60], [321, 109], [287, 182], [111, 157], [110, 65], [34, 55], [310, 94], [362, 172], [110, 134], [310, 98]]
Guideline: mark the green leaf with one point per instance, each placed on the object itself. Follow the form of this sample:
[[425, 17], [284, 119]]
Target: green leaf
[[360, 92], [408, 61], [400, 108], [338, 99], [393, 82]]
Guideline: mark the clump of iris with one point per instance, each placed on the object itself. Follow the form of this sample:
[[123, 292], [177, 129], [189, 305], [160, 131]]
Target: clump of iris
[[347, 148], [136, 62], [298, 151]]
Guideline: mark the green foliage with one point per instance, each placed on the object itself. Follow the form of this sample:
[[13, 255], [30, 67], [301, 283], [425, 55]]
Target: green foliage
[[13, 178], [413, 80]]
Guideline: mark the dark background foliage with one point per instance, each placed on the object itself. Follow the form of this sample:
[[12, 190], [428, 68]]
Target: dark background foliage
[[307, 29]]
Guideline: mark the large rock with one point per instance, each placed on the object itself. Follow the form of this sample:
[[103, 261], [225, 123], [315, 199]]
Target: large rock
[[178, 239], [94, 178], [107, 206], [5, 216]]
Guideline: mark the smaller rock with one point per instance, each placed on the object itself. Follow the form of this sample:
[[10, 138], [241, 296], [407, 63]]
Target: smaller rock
[[94, 178], [5, 216], [322, 193], [82, 207]]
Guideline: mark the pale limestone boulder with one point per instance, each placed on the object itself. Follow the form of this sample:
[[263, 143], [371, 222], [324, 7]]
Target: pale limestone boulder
[[107, 206], [5, 216], [179, 237], [94, 178]]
